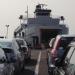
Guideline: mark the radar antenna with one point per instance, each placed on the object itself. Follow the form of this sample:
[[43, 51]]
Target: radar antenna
[[42, 5]]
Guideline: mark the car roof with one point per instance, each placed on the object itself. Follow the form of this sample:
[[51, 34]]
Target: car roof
[[11, 40], [6, 40], [19, 38], [67, 35]]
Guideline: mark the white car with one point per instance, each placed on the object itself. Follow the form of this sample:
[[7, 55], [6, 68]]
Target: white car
[[24, 47], [12, 53], [5, 68]]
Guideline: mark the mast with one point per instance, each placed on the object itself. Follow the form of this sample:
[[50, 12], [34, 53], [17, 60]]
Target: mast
[[27, 12]]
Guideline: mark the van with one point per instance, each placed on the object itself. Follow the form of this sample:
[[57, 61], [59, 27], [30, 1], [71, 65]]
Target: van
[[23, 46]]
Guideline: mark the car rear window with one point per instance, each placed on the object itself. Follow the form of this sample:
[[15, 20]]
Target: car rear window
[[6, 50], [20, 42], [5, 44], [65, 41]]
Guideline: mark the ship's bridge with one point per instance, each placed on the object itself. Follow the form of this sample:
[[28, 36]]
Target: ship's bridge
[[41, 11]]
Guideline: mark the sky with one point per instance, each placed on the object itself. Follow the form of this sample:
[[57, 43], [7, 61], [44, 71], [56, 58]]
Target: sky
[[11, 9]]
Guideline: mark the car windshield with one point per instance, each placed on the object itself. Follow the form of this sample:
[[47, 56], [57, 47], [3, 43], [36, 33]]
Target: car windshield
[[5, 44]]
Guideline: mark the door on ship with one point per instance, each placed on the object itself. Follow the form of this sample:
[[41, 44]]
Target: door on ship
[[47, 35], [35, 41]]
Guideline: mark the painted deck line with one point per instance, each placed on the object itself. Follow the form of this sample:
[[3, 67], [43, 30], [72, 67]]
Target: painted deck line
[[37, 65]]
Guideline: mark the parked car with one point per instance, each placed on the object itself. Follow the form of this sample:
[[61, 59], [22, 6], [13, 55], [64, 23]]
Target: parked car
[[24, 48], [5, 68], [12, 53], [58, 53]]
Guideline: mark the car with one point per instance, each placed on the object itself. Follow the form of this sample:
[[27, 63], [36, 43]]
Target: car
[[58, 51], [12, 53], [23, 46], [5, 68]]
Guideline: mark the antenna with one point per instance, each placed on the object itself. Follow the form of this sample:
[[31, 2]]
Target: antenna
[[27, 11], [43, 5]]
